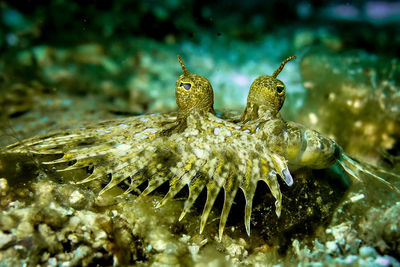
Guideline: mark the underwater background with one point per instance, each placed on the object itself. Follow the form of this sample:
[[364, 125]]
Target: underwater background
[[66, 63]]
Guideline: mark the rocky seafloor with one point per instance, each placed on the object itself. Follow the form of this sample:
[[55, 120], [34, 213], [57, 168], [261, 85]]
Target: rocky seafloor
[[351, 95]]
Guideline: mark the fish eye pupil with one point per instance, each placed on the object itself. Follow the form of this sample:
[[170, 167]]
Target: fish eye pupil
[[187, 86], [280, 89]]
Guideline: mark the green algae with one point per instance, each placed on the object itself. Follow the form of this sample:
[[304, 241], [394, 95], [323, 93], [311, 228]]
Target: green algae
[[360, 97]]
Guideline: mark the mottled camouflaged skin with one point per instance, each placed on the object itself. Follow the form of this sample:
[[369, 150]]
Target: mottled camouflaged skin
[[192, 147], [300, 146]]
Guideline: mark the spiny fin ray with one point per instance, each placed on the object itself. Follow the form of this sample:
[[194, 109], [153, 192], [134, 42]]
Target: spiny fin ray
[[230, 189], [212, 192], [248, 187], [353, 167], [196, 186]]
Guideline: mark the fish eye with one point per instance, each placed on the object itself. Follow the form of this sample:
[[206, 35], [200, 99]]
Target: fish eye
[[187, 86], [280, 90]]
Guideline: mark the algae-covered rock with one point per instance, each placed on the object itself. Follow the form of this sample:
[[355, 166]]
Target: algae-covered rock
[[309, 206], [353, 97]]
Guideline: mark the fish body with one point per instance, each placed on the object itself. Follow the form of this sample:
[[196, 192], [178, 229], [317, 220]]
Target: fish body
[[196, 149], [300, 146], [209, 153]]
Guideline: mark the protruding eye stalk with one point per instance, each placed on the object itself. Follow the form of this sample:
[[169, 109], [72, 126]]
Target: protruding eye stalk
[[267, 92], [280, 90], [187, 86], [282, 65], [193, 92]]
